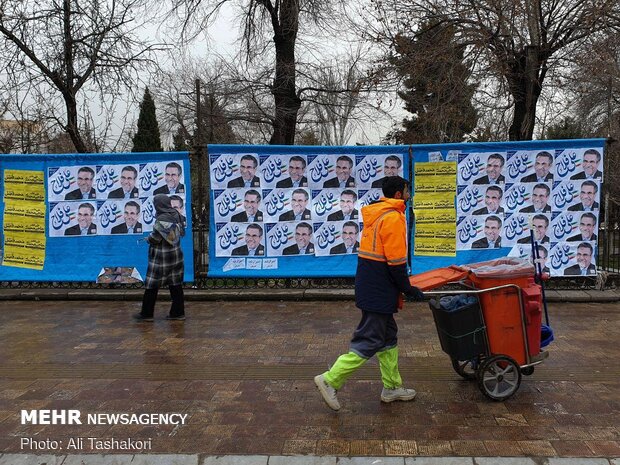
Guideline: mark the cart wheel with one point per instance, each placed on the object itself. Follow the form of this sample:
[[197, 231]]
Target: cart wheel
[[499, 377], [527, 371], [465, 368]]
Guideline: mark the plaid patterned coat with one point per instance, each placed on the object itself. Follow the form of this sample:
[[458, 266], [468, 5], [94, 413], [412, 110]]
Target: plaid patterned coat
[[165, 267]]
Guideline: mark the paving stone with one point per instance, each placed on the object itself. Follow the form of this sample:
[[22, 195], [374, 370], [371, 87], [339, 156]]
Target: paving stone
[[165, 459], [571, 448], [31, 459], [299, 447], [577, 461], [401, 447], [288, 460], [552, 295], [371, 447], [602, 296], [435, 448], [503, 448], [243, 372], [371, 461], [605, 448], [333, 447], [438, 461], [574, 296], [236, 460], [95, 459], [465, 448], [537, 448], [504, 461]]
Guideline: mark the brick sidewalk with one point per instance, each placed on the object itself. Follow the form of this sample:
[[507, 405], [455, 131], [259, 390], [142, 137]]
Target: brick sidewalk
[[243, 371]]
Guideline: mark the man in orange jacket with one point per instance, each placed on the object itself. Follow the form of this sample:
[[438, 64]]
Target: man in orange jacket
[[380, 281]]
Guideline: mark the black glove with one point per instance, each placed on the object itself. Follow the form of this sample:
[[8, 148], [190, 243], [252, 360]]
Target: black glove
[[414, 295]]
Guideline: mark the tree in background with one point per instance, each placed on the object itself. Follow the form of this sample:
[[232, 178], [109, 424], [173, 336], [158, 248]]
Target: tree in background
[[180, 141], [56, 51], [214, 124], [176, 93], [271, 30], [596, 85], [596, 99], [515, 41], [568, 128], [438, 92], [147, 137]]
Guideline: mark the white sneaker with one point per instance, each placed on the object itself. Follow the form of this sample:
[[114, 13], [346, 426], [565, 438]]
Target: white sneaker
[[328, 392], [399, 393]]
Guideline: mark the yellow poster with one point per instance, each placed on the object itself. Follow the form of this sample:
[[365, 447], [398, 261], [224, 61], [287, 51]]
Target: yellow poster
[[435, 168], [24, 219], [24, 258], [433, 230], [24, 208], [24, 224], [436, 247], [443, 200], [24, 240], [435, 216], [434, 184], [30, 192], [23, 177]]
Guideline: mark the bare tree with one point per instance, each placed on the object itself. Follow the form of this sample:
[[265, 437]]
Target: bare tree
[[175, 89], [277, 22], [334, 92], [596, 98], [516, 40], [67, 47], [596, 85]]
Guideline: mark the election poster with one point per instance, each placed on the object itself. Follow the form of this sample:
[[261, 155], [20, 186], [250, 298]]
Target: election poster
[[101, 203], [304, 201], [24, 219], [484, 197]]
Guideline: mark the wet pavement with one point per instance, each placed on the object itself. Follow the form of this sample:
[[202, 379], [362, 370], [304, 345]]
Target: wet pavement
[[242, 373]]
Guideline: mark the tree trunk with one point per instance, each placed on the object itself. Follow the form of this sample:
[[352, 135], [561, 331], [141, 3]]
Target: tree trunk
[[69, 95], [525, 83], [72, 124], [284, 90]]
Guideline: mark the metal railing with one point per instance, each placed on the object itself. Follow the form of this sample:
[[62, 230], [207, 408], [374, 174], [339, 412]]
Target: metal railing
[[609, 237]]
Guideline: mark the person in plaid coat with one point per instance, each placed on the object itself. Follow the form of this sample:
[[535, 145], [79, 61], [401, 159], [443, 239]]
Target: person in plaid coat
[[165, 266]]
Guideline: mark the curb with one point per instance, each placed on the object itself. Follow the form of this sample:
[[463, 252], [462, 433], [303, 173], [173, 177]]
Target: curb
[[199, 459], [195, 295]]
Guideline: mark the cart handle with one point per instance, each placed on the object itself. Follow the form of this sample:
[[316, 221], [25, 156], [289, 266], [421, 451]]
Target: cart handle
[[472, 291]]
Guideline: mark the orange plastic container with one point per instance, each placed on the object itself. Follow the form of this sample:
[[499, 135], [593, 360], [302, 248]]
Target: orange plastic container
[[504, 321], [436, 278], [501, 308], [532, 302], [500, 272]]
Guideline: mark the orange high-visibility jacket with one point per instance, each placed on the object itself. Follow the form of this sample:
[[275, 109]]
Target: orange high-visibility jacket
[[384, 238], [382, 257]]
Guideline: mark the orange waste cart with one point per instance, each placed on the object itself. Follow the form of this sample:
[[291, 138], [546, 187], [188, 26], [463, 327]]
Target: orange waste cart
[[511, 316]]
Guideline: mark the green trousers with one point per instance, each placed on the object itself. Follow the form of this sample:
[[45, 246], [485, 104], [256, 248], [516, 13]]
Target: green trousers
[[348, 363]]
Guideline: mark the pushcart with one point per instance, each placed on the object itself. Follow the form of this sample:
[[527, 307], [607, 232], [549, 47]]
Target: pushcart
[[494, 341]]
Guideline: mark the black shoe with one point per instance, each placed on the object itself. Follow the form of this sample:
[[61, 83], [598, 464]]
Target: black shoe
[[179, 317], [141, 317]]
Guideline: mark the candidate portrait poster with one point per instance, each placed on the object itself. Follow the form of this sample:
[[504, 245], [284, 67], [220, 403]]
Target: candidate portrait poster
[[504, 193], [97, 210], [306, 200]]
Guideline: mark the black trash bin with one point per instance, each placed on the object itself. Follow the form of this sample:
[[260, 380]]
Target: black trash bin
[[460, 326]]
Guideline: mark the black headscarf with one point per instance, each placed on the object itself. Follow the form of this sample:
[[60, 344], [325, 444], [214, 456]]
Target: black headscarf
[[164, 210]]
